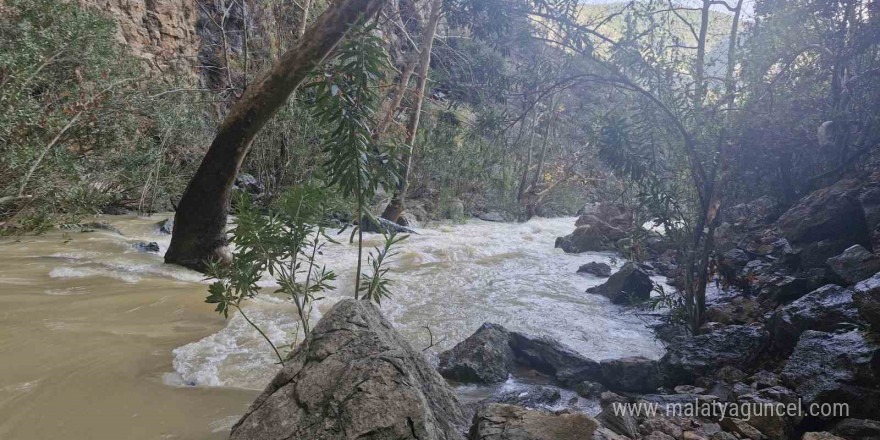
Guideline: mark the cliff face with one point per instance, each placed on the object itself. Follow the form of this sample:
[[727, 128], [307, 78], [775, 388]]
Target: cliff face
[[162, 32]]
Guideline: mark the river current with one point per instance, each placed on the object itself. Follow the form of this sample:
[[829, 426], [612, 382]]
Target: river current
[[99, 340]]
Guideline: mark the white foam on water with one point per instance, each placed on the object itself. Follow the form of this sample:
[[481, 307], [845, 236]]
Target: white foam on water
[[85, 272], [450, 278]]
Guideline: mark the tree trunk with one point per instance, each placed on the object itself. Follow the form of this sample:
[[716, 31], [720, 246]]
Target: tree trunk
[[399, 91], [200, 221], [398, 203]]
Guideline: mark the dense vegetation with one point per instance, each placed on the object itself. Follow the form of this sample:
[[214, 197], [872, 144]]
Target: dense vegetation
[[524, 107]]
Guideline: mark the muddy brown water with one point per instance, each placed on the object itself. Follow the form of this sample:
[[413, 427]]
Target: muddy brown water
[[100, 341]]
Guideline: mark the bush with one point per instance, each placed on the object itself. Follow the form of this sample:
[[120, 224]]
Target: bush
[[82, 126]]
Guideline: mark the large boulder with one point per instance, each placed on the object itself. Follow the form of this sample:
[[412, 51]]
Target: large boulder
[[841, 367], [822, 309], [493, 352], [689, 358], [508, 422], [554, 359], [484, 357], [861, 429], [354, 377], [854, 264], [826, 222], [598, 229], [632, 374], [867, 300], [630, 282], [614, 214], [597, 236]]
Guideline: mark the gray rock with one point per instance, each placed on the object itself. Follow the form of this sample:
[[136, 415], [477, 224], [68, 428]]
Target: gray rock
[[692, 357], [145, 246], [764, 379], [620, 422], [773, 289], [823, 309], [631, 374], [597, 236], [355, 377], [630, 282], [730, 374], [99, 226], [380, 225], [820, 436], [408, 220], [841, 367], [599, 227], [484, 357], [867, 300], [536, 397], [492, 216], [249, 183], [742, 428], [857, 429], [660, 424], [774, 424], [594, 268], [833, 213], [854, 264], [589, 389], [554, 359], [493, 352], [507, 422], [165, 227]]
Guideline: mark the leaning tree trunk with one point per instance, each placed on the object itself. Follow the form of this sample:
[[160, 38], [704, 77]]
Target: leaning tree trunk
[[398, 203], [200, 221]]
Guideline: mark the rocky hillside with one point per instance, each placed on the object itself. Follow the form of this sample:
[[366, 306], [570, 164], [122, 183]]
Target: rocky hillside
[[164, 33]]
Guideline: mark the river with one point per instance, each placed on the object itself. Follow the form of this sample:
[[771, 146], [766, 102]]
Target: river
[[98, 340]]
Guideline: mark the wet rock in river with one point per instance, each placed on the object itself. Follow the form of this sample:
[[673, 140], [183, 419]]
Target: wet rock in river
[[165, 227], [380, 225], [629, 283], [99, 226], [550, 357], [492, 216], [535, 397], [484, 357], [595, 268], [355, 377], [146, 246]]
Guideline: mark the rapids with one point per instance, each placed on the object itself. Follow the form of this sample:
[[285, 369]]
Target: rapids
[[98, 340]]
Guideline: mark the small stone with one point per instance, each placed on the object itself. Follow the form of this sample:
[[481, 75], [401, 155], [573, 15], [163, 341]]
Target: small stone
[[689, 389], [144, 246]]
